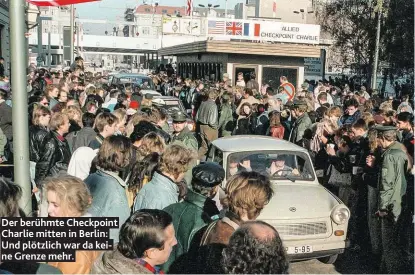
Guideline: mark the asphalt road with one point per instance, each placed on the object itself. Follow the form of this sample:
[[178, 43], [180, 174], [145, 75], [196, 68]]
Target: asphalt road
[[351, 262]]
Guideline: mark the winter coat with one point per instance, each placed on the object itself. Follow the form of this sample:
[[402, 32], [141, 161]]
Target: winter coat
[[392, 180], [226, 123], [245, 126], [81, 138], [82, 265], [299, 127], [6, 120], [159, 193], [96, 142], [262, 124], [187, 139], [208, 114], [3, 142], [55, 158], [113, 262], [37, 139], [189, 217], [108, 198], [277, 131], [347, 119]]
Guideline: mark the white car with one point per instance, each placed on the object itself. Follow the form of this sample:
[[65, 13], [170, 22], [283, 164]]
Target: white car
[[311, 221]]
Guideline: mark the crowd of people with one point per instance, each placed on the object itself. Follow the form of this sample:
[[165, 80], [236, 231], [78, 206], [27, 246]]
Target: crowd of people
[[106, 151]]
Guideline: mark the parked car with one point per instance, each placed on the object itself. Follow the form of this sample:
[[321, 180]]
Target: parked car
[[311, 221], [138, 80], [172, 105]]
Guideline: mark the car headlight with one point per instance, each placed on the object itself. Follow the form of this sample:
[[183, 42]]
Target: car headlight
[[340, 214]]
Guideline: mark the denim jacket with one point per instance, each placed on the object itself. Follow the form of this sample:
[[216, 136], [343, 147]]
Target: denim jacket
[[159, 193], [109, 198]]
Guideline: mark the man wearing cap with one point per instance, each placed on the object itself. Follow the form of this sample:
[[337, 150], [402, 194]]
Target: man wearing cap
[[302, 121], [391, 169], [198, 208], [181, 133]]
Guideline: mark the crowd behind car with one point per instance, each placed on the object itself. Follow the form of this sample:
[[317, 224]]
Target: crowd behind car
[[114, 145]]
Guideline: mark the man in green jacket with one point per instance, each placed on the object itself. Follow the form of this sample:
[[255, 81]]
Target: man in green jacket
[[226, 124], [302, 122], [392, 187], [198, 208], [182, 133]]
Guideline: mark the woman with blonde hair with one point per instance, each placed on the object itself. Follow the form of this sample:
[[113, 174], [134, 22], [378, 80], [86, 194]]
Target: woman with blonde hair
[[68, 196], [74, 114], [121, 114]]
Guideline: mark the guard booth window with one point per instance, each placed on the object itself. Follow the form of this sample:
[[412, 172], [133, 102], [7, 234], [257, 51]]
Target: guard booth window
[[271, 76]]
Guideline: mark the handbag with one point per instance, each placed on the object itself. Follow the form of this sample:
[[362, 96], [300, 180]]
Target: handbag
[[339, 179]]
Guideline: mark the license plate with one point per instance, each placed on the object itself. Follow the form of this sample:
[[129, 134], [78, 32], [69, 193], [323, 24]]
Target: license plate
[[299, 249]]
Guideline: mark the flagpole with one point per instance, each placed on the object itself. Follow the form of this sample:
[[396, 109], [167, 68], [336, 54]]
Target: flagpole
[[191, 17], [72, 34]]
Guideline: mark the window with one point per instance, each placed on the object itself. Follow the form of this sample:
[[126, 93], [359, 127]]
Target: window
[[146, 30], [271, 76], [164, 11], [282, 165], [147, 10]]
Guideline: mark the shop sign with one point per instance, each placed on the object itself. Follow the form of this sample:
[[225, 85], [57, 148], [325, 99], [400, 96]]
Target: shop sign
[[313, 66], [264, 30]]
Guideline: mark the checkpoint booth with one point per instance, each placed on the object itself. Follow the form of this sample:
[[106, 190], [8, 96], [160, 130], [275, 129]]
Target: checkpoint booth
[[211, 58]]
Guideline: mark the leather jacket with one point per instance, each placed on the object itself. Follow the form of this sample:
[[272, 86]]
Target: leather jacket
[[37, 137], [208, 114], [55, 158]]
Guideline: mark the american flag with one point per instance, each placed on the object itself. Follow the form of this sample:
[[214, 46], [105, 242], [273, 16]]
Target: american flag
[[233, 28], [216, 27]]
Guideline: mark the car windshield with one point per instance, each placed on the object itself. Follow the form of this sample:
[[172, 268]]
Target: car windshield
[[287, 165], [144, 83]]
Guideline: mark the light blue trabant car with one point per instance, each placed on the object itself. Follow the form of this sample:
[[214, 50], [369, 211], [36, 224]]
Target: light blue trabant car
[[311, 221]]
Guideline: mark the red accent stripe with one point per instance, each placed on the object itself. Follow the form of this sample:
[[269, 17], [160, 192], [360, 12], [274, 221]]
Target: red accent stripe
[[257, 28]]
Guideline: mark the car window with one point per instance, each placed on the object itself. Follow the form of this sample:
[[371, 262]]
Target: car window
[[137, 80], [276, 164], [172, 106]]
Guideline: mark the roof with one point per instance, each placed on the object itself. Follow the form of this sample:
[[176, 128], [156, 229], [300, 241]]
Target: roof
[[245, 143], [235, 47]]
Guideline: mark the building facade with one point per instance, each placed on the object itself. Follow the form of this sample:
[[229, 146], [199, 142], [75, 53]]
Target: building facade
[[5, 35], [298, 11]]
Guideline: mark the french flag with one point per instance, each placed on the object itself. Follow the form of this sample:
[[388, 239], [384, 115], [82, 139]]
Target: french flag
[[252, 29]]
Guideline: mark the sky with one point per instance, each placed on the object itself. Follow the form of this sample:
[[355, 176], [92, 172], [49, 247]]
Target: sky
[[111, 9]]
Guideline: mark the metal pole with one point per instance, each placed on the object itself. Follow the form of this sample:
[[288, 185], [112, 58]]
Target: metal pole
[[19, 111], [49, 47], [375, 64], [78, 36], [39, 40], [72, 35], [226, 8]]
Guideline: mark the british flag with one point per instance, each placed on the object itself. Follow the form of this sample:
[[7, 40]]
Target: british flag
[[233, 28]]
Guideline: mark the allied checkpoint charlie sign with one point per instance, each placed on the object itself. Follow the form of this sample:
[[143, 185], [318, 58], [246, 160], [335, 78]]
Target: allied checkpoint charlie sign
[[264, 30]]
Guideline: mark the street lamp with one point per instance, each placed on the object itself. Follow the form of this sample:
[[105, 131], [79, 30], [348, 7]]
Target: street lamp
[[302, 12], [209, 7]]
